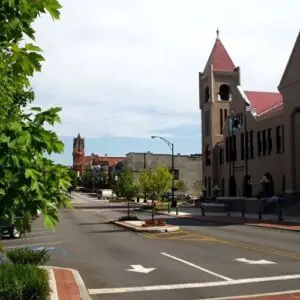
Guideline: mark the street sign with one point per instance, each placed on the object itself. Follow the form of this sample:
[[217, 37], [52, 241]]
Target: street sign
[[140, 269]]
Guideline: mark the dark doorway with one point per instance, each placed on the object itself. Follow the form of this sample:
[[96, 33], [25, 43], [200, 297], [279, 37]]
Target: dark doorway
[[247, 186], [269, 185], [232, 187], [223, 187]]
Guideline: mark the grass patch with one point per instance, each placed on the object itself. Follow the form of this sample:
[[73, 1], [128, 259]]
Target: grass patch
[[27, 256], [23, 282]]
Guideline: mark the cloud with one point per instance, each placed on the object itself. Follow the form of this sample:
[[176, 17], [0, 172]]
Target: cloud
[[130, 68]]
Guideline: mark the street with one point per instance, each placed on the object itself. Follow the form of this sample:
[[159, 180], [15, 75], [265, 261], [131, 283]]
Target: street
[[202, 261]]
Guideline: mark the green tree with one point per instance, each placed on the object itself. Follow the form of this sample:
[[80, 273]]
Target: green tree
[[29, 179], [180, 186], [197, 187], [145, 182], [74, 180], [101, 179], [87, 177], [156, 183], [127, 187]]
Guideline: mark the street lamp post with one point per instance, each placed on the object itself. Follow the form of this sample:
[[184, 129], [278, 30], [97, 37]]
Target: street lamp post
[[171, 146]]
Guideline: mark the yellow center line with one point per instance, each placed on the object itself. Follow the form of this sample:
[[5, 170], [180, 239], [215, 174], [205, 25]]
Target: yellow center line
[[193, 236]]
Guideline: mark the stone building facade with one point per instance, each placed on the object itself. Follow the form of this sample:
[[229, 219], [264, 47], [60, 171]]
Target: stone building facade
[[249, 138], [187, 167]]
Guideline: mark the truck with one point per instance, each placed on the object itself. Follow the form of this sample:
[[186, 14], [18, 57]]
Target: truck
[[106, 194]]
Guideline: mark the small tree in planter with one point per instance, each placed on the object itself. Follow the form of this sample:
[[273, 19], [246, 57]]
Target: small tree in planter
[[160, 183], [127, 187], [145, 179]]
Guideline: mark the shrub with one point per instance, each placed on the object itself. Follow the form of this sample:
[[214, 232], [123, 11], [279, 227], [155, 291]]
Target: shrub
[[129, 218], [23, 282], [27, 256]]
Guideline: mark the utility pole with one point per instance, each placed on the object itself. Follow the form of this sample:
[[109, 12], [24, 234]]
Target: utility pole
[[145, 167]]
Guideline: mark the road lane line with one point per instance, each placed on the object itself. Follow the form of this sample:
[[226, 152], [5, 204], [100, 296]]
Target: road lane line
[[30, 245], [190, 285], [197, 267], [254, 295], [36, 237]]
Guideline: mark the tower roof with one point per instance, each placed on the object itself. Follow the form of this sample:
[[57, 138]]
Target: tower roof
[[219, 57]]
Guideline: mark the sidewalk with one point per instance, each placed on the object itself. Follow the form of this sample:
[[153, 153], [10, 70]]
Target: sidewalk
[[66, 284], [269, 221]]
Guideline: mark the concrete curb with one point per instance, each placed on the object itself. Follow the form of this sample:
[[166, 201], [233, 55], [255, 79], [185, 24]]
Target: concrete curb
[[84, 294], [147, 229], [273, 227], [52, 282], [233, 222]]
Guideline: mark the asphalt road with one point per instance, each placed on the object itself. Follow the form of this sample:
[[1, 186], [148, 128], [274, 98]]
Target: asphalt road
[[200, 262]]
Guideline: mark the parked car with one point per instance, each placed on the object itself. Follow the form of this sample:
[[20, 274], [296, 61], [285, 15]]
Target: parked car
[[9, 229], [6, 228]]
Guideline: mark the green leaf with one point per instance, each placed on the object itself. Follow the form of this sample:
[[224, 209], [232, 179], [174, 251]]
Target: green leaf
[[36, 109], [31, 47], [53, 6], [50, 219]]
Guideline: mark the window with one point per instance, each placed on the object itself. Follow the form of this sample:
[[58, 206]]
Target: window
[[206, 94], [234, 150], [264, 142], [242, 118], [225, 114], [206, 123], [221, 156], [221, 121], [278, 139], [227, 149], [224, 92], [242, 146], [259, 148], [282, 132], [209, 186], [207, 156], [251, 145], [247, 145], [269, 141]]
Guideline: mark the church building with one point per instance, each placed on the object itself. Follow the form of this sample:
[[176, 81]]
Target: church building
[[81, 161], [250, 143]]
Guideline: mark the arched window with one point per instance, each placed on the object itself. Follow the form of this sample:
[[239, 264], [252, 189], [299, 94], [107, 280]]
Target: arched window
[[206, 94], [207, 155], [224, 92]]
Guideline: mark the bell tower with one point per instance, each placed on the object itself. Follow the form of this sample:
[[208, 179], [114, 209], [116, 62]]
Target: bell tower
[[78, 153], [216, 84]]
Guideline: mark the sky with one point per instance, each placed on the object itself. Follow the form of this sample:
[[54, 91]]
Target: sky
[[123, 70]]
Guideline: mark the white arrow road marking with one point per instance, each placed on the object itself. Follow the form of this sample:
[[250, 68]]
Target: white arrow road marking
[[255, 262], [140, 269], [197, 267]]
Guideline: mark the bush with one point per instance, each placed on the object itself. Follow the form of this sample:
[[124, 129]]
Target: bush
[[27, 256], [129, 218], [23, 282]]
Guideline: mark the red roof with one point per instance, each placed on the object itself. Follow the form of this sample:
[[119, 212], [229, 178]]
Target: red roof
[[264, 101], [220, 58], [102, 160]]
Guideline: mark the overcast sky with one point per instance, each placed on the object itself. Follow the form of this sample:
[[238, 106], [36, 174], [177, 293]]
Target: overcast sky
[[128, 69]]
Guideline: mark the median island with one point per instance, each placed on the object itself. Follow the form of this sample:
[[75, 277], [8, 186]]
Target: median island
[[149, 225]]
